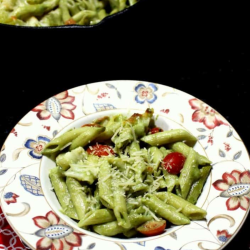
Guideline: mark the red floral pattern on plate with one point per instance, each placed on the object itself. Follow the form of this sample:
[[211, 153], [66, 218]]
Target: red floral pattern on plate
[[10, 197], [205, 114], [57, 106], [45, 243], [223, 235], [229, 179]]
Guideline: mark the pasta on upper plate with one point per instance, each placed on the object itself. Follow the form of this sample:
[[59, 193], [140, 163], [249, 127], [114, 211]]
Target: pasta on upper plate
[[123, 175], [49, 13]]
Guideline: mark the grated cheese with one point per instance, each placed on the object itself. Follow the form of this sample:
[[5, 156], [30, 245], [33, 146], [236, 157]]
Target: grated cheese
[[65, 146], [151, 213], [133, 133], [116, 132]]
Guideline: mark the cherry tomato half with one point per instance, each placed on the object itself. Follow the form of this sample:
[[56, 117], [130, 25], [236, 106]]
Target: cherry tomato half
[[174, 162], [100, 150], [151, 228], [155, 130]]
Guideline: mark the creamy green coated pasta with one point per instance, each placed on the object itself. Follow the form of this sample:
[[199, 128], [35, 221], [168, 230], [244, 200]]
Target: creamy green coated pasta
[[117, 183], [44, 13]]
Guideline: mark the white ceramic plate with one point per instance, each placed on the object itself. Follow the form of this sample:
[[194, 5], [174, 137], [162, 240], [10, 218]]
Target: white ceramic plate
[[23, 185]]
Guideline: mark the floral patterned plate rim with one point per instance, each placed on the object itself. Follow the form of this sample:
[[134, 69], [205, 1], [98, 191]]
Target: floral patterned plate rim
[[227, 195]]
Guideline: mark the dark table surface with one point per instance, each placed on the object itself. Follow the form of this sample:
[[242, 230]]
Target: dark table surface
[[177, 46]]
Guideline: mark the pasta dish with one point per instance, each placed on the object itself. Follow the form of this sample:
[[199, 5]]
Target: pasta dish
[[44, 13], [125, 176]]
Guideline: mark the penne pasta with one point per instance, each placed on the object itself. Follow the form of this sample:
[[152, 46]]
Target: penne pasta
[[95, 217], [48, 13], [78, 197], [184, 149], [170, 136], [165, 211], [115, 185], [62, 193], [185, 207]]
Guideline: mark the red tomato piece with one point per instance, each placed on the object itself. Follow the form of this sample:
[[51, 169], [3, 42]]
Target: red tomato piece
[[70, 21], [155, 130], [100, 150], [90, 125], [174, 162], [151, 228]]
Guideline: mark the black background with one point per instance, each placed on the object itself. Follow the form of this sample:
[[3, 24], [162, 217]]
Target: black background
[[201, 49]]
